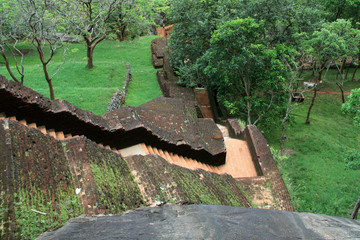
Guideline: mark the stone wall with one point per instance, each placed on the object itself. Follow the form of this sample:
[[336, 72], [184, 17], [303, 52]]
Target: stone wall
[[119, 98], [265, 163]]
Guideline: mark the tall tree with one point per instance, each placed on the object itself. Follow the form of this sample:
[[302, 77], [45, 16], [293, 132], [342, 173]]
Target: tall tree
[[327, 45], [348, 42], [133, 18], [248, 74], [46, 30], [90, 18], [11, 29]]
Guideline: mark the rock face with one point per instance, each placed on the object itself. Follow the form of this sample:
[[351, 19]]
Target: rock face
[[208, 222], [65, 178]]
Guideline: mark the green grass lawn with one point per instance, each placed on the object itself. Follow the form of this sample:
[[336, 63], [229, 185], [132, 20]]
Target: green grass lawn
[[92, 89], [314, 172]]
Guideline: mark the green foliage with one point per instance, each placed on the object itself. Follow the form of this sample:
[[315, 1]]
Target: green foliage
[[333, 41], [284, 18], [31, 224], [352, 106], [195, 22], [352, 160], [116, 187], [246, 72], [347, 9]]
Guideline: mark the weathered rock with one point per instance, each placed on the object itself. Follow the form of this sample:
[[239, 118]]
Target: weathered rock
[[208, 222]]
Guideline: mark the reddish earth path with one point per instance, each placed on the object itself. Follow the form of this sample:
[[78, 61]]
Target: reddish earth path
[[238, 158], [238, 161], [331, 92]]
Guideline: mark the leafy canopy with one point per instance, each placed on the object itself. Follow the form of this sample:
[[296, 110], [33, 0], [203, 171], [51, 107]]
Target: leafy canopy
[[352, 106], [247, 73]]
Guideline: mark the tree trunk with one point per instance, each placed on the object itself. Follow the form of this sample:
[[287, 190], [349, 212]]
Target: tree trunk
[[283, 124], [341, 69], [52, 95], [48, 80], [8, 67], [90, 51], [356, 209], [347, 72], [314, 96], [320, 75], [353, 76], [313, 68], [357, 67], [311, 105], [342, 91], [338, 13]]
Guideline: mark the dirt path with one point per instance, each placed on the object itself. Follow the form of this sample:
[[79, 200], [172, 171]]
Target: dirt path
[[238, 160], [332, 92]]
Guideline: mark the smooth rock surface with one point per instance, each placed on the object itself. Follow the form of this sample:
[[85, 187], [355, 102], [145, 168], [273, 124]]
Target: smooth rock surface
[[208, 222]]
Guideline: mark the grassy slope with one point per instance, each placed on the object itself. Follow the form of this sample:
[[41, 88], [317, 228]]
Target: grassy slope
[[315, 171], [92, 89]]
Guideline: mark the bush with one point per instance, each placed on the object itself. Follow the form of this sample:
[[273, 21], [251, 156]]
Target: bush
[[352, 161]]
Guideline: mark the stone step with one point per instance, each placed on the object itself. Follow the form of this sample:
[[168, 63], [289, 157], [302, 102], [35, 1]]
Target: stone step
[[23, 122], [33, 125], [156, 151], [178, 159], [51, 132], [60, 135], [168, 157], [42, 129], [68, 135], [151, 150]]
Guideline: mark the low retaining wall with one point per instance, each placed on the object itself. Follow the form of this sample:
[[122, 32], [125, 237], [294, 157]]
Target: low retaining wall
[[120, 96], [261, 153]]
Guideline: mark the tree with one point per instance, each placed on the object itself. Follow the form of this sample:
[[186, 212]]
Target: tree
[[10, 31], [133, 18], [283, 18], [46, 30], [195, 22], [345, 9], [348, 42], [325, 46], [90, 19], [247, 73], [352, 106]]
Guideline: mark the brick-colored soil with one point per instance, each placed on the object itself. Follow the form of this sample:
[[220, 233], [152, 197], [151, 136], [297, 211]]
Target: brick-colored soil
[[238, 160]]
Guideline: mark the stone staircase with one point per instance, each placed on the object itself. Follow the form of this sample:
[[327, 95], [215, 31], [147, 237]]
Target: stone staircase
[[170, 157], [236, 163], [178, 159], [51, 132]]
